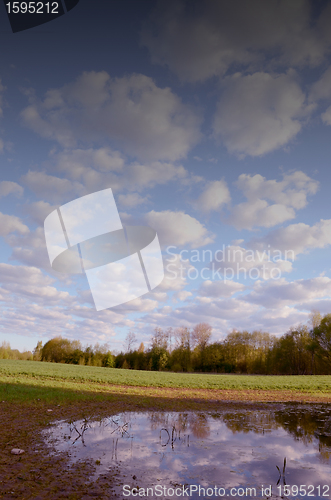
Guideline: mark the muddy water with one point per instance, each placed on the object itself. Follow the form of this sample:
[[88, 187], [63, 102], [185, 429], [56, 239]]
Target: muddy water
[[237, 454]]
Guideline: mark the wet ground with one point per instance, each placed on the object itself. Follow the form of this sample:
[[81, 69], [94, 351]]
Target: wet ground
[[273, 451]]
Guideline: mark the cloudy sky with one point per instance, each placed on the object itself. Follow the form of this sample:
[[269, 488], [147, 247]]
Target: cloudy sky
[[210, 121]]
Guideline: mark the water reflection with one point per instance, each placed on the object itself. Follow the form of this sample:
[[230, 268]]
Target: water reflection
[[290, 445]]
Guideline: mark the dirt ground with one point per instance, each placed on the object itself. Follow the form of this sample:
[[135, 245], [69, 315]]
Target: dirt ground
[[40, 473]]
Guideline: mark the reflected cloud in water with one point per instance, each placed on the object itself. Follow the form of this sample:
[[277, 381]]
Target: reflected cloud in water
[[225, 449]]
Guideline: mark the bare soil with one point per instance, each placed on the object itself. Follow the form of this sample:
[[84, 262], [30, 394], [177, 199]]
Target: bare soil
[[40, 473]]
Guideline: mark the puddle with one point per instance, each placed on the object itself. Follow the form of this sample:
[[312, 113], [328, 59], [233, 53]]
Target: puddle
[[208, 455]]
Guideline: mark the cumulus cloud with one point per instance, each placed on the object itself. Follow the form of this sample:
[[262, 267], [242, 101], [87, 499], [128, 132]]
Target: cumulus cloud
[[183, 295], [178, 229], [280, 293], [216, 289], [131, 200], [10, 224], [39, 210], [205, 39], [90, 170], [51, 187], [235, 262], [214, 196], [271, 202], [150, 123], [321, 90], [101, 159], [326, 116], [259, 213], [23, 274], [30, 249], [175, 274], [296, 238], [26, 282], [8, 187], [259, 113], [34, 304]]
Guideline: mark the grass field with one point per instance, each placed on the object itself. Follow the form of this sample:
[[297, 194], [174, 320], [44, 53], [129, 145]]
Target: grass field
[[35, 394], [30, 380]]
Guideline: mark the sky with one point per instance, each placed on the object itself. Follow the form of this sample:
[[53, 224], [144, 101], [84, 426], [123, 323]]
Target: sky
[[211, 123]]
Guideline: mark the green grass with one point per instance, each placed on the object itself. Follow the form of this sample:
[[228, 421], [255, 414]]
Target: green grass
[[53, 375]]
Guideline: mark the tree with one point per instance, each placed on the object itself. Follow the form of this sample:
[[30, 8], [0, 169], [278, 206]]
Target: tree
[[159, 339], [141, 348], [182, 353], [158, 350], [37, 351], [201, 335], [315, 318], [321, 335], [130, 340], [59, 350]]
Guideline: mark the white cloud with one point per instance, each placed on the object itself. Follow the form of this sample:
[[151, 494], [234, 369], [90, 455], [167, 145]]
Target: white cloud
[[26, 282], [175, 274], [208, 38], [216, 289], [10, 224], [8, 187], [38, 211], [131, 200], [51, 187], [259, 213], [296, 238], [292, 190], [19, 275], [178, 228], [33, 305], [30, 249], [288, 194], [259, 113], [280, 293], [326, 116], [321, 305], [214, 196], [93, 169], [100, 159], [183, 295], [236, 262], [321, 90], [141, 304], [151, 174], [149, 122]]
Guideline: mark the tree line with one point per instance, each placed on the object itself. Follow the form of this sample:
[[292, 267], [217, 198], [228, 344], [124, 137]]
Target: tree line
[[300, 351], [304, 350], [6, 352]]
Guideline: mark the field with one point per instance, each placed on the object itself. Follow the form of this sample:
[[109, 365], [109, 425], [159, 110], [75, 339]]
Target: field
[[34, 394], [26, 381]]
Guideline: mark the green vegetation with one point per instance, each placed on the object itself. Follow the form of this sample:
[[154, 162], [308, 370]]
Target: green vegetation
[[300, 351], [7, 353], [49, 373], [61, 350]]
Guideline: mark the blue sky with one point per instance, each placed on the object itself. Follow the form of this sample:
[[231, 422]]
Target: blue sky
[[211, 123]]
